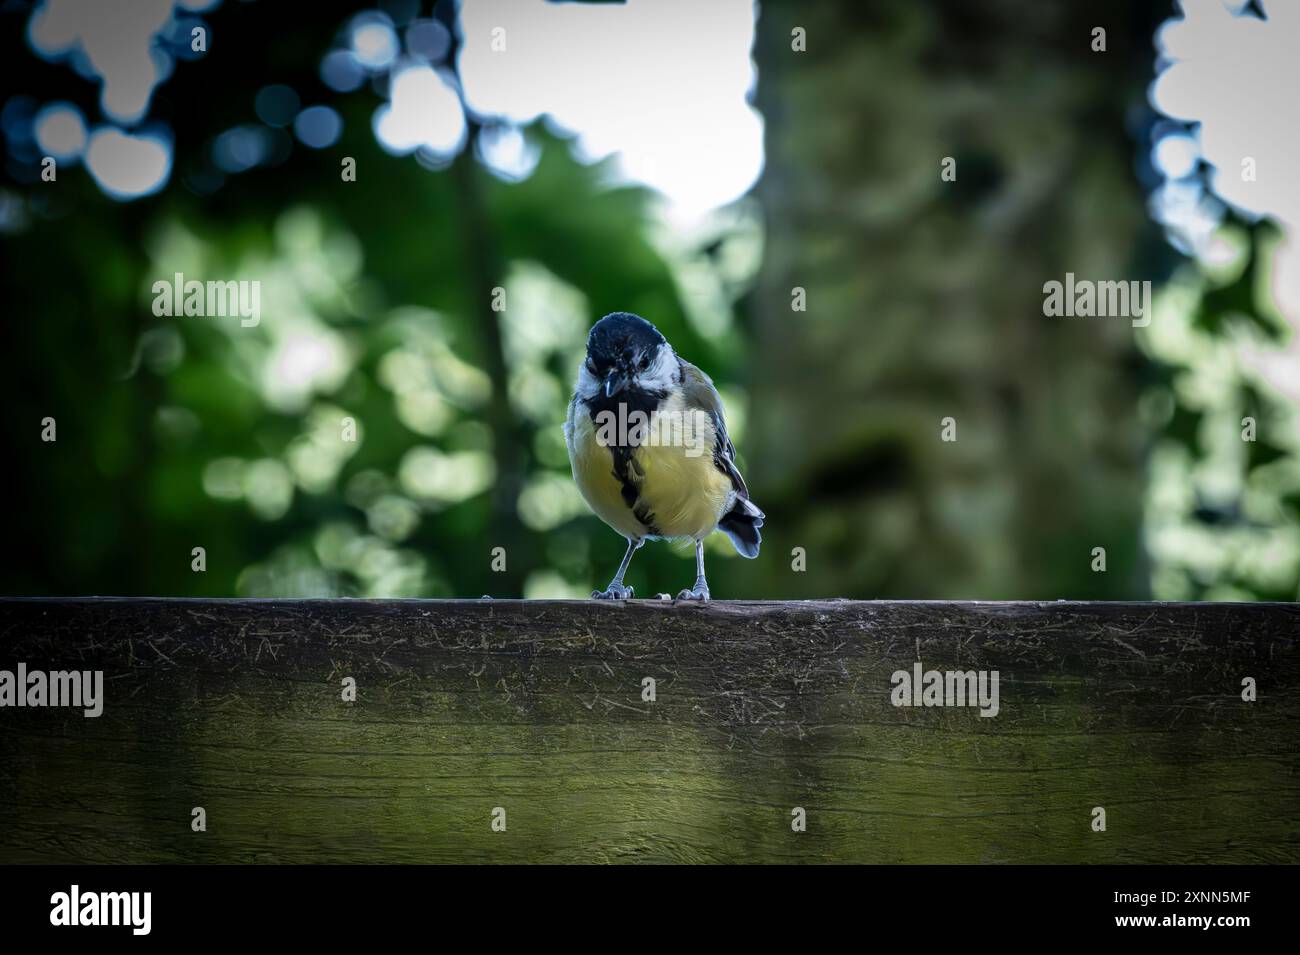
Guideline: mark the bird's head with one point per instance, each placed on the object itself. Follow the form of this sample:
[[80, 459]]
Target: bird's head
[[626, 353]]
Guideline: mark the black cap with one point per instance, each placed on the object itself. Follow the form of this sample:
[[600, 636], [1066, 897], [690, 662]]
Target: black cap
[[620, 336]]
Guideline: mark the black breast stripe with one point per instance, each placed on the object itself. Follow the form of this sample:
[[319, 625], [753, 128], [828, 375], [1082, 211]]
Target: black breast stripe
[[625, 470]]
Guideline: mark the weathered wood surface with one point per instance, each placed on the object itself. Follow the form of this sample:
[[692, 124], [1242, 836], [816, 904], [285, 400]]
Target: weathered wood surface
[[537, 707]]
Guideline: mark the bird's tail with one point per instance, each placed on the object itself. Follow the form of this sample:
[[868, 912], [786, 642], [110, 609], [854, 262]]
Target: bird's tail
[[741, 524]]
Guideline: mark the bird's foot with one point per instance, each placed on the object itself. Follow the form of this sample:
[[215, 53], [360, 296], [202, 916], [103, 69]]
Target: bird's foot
[[613, 592], [699, 592]]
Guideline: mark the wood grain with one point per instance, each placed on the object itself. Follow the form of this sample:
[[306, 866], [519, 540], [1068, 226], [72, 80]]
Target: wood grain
[[536, 706]]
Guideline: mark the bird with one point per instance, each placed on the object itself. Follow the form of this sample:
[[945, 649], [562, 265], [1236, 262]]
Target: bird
[[648, 444]]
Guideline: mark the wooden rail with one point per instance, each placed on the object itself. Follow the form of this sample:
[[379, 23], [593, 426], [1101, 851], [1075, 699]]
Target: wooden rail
[[540, 709]]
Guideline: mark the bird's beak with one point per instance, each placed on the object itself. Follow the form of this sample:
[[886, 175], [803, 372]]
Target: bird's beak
[[615, 382]]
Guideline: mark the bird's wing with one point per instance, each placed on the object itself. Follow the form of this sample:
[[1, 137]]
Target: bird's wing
[[698, 392]]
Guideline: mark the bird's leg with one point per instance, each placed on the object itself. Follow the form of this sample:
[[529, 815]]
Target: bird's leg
[[616, 590], [701, 589]]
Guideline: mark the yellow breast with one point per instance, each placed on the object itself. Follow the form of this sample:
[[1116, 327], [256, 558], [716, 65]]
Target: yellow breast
[[674, 473]]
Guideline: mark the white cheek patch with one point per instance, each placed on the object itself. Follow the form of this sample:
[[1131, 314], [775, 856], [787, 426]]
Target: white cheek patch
[[588, 384], [662, 375]]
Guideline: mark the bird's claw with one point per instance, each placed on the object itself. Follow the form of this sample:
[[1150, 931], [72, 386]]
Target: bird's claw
[[613, 592], [696, 593]]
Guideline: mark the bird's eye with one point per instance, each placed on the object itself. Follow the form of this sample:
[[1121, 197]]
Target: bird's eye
[[644, 363], [590, 366]]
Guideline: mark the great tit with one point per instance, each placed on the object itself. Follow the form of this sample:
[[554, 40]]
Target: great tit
[[650, 451]]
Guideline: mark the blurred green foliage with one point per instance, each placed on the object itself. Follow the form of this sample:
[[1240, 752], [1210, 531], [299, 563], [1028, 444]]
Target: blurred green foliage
[[183, 432], [924, 302], [1223, 498]]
